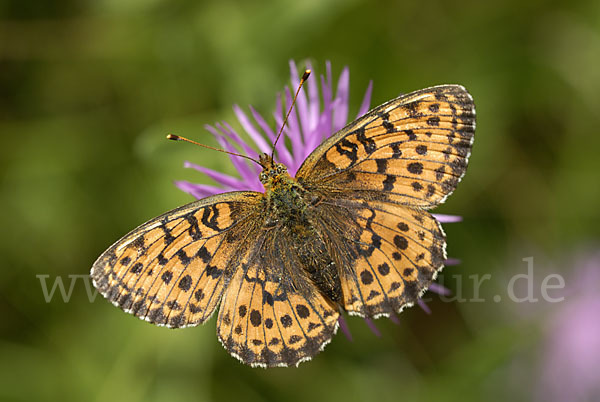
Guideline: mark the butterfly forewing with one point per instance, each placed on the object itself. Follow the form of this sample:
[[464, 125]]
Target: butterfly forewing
[[172, 270], [412, 150]]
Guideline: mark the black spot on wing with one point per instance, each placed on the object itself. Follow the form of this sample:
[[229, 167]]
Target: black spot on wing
[[194, 230], [183, 257], [367, 143], [286, 321], [185, 283], [203, 254], [388, 183], [401, 242], [348, 149], [433, 121], [366, 277], [242, 310], [167, 276], [137, 268], [396, 151], [381, 165], [210, 215], [415, 167], [255, 318], [303, 311], [389, 127], [411, 135]]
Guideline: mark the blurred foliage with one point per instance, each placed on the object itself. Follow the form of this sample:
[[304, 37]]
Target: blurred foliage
[[88, 89]]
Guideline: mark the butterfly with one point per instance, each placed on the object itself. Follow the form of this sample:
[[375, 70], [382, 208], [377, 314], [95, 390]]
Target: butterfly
[[351, 232]]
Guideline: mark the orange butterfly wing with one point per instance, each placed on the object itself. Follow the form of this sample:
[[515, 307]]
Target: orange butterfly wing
[[375, 177], [387, 254], [412, 150], [173, 269], [272, 314]]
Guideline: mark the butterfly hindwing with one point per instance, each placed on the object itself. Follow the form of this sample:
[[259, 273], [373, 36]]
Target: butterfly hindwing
[[398, 252], [412, 150], [272, 315], [172, 270]]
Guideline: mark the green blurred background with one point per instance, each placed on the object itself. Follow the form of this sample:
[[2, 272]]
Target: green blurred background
[[88, 90]]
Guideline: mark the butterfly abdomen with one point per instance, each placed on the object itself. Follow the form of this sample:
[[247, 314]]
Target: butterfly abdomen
[[318, 264]]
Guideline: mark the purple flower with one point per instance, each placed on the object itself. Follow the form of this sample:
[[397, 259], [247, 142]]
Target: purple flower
[[571, 360], [308, 125]]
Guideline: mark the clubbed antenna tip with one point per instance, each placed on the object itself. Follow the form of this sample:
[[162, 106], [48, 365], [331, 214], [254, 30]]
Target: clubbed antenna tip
[[178, 138], [302, 81]]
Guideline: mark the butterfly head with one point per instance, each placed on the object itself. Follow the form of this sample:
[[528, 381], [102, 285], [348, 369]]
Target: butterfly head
[[272, 172]]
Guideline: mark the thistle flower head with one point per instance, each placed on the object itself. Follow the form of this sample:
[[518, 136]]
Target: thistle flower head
[[310, 122]]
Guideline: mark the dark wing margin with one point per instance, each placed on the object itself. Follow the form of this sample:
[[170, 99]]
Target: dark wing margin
[[172, 270], [412, 150]]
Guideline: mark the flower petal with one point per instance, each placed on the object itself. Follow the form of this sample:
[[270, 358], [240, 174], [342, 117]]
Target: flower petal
[[448, 218], [301, 102], [199, 191], [240, 164], [340, 114], [394, 318], [230, 133], [424, 306], [262, 124], [364, 106], [372, 326], [325, 119], [314, 103], [219, 177], [439, 289], [292, 131], [344, 328], [258, 138], [323, 129], [452, 261]]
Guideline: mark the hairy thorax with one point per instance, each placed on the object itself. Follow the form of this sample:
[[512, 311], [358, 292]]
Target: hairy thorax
[[288, 203]]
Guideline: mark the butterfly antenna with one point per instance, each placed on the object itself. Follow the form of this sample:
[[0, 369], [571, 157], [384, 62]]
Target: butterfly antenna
[[302, 80], [178, 138]]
